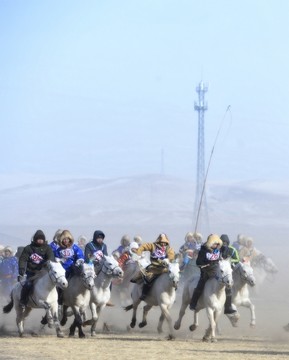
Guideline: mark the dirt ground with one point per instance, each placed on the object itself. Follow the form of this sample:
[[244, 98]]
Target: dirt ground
[[268, 340]]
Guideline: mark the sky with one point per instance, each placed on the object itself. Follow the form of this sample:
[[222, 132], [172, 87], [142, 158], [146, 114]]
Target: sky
[[107, 88]]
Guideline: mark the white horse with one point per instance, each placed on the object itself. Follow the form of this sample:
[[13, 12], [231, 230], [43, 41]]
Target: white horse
[[212, 299], [264, 268], [44, 295], [242, 277], [77, 296], [100, 293], [124, 286], [162, 294]]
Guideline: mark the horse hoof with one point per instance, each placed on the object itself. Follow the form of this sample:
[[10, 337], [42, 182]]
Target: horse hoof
[[132, 324], [63, 322], [81, 336], [171, 337], [214, 340], [142, 324], [176, 327], [60, 334], [193, 327], [205, 339], [93, 334]]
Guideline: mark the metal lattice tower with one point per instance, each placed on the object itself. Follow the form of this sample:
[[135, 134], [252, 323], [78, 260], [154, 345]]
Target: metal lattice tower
[[200, 208]]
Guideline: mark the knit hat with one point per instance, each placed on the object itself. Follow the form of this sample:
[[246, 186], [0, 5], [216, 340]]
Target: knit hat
[[225, 239]]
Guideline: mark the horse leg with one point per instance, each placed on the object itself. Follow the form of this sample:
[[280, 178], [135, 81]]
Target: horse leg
[[53, 312], [247, 303], [72, 329], [167, 316], [146, 309], [196, 321], [64, 315], [210, 331], [160, 324], [181, 315], [78, 323], [134, 311]]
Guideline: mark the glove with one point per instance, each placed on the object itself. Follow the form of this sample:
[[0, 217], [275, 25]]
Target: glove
[[21, 278], [165, 262]]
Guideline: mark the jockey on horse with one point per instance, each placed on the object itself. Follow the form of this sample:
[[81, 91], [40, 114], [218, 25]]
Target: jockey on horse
[[160, 255], [31, 261], [208, 261]]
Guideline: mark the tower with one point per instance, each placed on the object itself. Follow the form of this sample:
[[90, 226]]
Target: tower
[[200, 209]]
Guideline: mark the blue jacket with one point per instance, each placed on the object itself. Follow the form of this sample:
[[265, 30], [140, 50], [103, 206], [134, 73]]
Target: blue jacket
[[69, 256]]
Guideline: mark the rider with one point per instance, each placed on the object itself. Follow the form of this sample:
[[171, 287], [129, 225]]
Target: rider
[[31, 261], [67, 253], [55, 241], [8, 271], [128, 255], [189, 250], [124, 244], [160, 255], [95, 249], [207, 260], [229, 252]]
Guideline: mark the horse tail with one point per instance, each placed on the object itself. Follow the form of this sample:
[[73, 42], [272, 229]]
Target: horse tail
[[7, 308], [129, 307]]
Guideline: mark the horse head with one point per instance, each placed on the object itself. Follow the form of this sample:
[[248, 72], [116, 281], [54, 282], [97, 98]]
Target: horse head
[[174, 273], [56, 273], [110, 266], [246, 273], [264, 262], [224, 273], [86, 272]]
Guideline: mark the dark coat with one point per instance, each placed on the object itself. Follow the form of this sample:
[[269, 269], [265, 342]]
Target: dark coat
[[33, 258]]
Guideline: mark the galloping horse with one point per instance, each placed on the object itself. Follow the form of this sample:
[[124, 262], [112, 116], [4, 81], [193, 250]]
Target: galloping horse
[[100, 293], [212, 299], [77, 296], [264, 268], [162, 294], [242, 277], [124, 286], [44, 295]]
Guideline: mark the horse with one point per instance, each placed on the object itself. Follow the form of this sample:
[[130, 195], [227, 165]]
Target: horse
[[77, 296], [124, 286], [242, 277], [264, 268], [162, 294], [212, 299], [106, 270], [44, 295]]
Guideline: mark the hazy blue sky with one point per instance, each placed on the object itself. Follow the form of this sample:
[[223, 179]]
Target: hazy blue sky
[[101, 88]]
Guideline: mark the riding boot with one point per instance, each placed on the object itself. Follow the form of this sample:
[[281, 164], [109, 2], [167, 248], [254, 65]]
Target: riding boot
[[25, 291], [145, 291], [194, 301], [228, 303]]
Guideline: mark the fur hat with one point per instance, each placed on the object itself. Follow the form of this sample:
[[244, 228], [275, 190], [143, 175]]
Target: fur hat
[[137, 239], [8, 248], [57, 235], [66, 234], [133, 245], [213, 239], [125, 241], [162, 238], [38, 235]]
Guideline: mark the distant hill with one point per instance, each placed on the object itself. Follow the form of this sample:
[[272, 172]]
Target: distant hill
[[145, 205]]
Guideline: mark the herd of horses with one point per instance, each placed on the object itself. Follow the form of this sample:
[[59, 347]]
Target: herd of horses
[[90, 288]]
